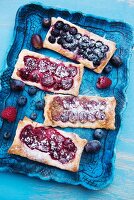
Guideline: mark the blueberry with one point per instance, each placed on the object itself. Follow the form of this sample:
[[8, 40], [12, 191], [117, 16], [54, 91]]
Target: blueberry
[[51, 39], [98, 134], [33, 116], [91, 57], [63, 34], [40, 105], [22, 100], [55, 32], [96, 51], [104, 48], [73, 31], [93, 146], [59, 25], [101, 55], [60, 41], [17, 85], [66, 27], [46, 22], [85, 39], [65, 45], [116, 61], [78, 36], [69, 39], [81, 51], [83, 45], [32, 90], [98, 44], [92, 43], [7, 135], [96, 62], [72, 46], [108, 69]]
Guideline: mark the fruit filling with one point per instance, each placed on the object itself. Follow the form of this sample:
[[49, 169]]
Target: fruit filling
[[74, 109], [82, 45], [48, 73], [49, 140]]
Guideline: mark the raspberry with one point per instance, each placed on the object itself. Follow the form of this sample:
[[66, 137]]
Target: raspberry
[[103, 82], [9, 113]]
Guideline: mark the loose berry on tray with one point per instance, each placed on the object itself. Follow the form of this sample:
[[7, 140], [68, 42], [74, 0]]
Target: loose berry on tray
[[46, 22], [22, 100], [32, 90], [116, 61], [36, 41], [40, 105], [103, 82], [93, 146], [7, 135], [98, 134], [9, 114], [17, 85], [108, 69], [33, 116]]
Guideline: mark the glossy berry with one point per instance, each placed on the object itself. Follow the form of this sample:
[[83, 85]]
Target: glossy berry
[[9, 114], [93, 146], [22, 100], [116, 61], [108, 69], [46, 22], [55, 32], [7, 135], [40, 105], [59, 25], [32, 90], [51, 39], [103, 82], [37, 41], [17, 85], [98, 134], [73, 31], [60, 41], [33, 116], [66, 27]]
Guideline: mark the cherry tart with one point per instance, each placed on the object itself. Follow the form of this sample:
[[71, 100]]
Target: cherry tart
[[79, 44], [47, 73], [82, 111], [47, 145]]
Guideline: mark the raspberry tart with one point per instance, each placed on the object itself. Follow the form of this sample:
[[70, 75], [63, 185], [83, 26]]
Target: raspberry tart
[[47, 73], [48, 145], [79, 44], [82, 111]]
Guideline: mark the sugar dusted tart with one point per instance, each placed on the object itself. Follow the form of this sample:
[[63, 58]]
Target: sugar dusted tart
[[82, 111], [47, 145], [47, 73], [76, 43]]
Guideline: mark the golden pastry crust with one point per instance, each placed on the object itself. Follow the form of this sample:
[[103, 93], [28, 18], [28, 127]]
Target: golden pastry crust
[[107, 123], [56, 47], [19, 148], [74, 90]]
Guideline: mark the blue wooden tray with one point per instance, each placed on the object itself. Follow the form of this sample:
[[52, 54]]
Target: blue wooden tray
[[96, 170]]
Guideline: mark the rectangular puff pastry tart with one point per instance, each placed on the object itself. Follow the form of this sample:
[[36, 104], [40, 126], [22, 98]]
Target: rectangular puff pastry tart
[[82, 111], [47, 145], [47, 73], [78, 44]]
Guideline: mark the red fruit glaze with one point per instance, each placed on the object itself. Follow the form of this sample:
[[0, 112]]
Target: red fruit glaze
[[49, 140], [9, 114], [103, 82], [48, 73]]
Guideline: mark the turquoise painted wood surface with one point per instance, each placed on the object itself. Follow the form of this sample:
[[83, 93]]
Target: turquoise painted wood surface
[[21, 187]]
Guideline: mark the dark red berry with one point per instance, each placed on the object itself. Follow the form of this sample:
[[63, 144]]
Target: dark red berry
[[103, 82], [36, 41]]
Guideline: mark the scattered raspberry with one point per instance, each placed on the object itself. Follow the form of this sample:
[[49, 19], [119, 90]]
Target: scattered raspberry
[[9, 113], [103, 82]]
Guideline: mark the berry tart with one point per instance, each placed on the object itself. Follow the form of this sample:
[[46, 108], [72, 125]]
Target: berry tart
[[82, 111], [79, 44], [47, 73], [48, 145]]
